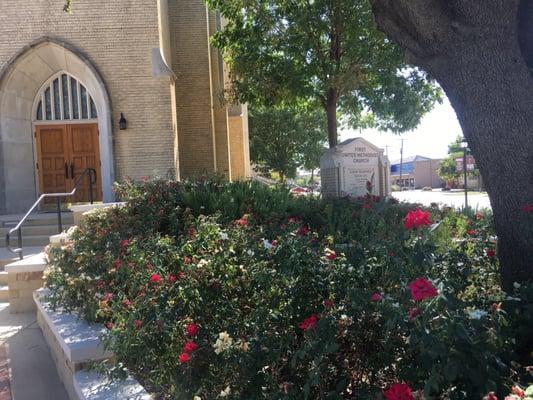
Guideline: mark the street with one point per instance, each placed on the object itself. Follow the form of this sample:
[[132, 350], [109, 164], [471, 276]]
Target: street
[[454, 198]]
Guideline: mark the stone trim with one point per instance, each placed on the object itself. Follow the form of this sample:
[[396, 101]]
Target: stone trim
[[75, 345]]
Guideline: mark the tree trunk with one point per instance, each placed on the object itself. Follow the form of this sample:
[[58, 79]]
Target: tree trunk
[[471, 47], [331, 113]]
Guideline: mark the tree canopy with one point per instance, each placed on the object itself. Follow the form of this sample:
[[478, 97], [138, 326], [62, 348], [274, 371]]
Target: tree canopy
[[283, 139], [327, 52], [447, 169]]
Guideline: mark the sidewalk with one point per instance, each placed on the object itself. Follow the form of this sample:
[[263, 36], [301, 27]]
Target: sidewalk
[[27, 371]]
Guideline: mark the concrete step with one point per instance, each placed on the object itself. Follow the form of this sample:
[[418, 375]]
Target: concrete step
[[4, 293], [35, 230], [6, 257], [27, 241], [3, 278], [37, 219]]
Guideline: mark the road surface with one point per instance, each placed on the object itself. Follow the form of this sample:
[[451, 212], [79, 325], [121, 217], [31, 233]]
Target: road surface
[[455, 198]]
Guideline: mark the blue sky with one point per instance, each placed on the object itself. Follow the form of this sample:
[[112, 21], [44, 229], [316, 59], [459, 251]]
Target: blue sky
[[437, 129]]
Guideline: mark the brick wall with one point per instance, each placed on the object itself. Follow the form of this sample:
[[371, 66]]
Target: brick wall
[[117, 37]]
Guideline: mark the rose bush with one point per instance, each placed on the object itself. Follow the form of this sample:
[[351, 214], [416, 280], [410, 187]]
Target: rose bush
[[215, 290]]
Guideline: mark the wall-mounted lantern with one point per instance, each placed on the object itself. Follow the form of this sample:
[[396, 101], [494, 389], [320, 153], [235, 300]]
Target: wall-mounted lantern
[[122, 123]]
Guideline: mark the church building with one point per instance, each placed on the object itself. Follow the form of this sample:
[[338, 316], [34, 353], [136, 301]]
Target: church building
[[129, 88]]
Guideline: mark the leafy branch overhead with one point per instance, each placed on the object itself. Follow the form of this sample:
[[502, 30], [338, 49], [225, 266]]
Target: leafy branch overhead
[[328, 52]]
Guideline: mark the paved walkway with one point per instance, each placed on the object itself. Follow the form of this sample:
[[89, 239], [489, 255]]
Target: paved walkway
[[27, 371]]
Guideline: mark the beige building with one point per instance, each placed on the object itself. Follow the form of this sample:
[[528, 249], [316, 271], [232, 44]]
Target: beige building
[[416, 172], [131, 88]]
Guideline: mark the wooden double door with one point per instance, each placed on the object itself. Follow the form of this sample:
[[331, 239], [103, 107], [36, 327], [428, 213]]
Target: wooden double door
[[63, 153]]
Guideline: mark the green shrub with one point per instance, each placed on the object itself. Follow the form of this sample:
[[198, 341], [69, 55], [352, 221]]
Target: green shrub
[[292, 298]]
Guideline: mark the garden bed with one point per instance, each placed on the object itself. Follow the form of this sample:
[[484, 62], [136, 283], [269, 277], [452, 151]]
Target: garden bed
[[212, 290]]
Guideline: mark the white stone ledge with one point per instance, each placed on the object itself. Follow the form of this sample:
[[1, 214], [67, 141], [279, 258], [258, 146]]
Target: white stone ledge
[[89, 207], [91, 385], [81, 345], [79, 340], [36, 263]]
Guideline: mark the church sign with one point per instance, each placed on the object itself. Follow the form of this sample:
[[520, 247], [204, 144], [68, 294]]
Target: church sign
[[355, 168]]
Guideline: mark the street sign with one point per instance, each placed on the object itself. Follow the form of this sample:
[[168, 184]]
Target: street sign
[[470, 164]]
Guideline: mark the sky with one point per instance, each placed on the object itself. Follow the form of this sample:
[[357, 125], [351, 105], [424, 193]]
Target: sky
[[431, 139]]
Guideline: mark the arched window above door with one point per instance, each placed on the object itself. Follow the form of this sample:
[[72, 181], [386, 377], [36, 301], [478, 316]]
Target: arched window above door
[[63, 97]]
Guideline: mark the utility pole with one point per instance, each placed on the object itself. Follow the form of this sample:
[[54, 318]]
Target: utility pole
[[401, 165]]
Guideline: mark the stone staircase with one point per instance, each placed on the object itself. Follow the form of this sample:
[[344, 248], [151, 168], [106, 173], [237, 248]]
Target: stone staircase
[[36, 234]]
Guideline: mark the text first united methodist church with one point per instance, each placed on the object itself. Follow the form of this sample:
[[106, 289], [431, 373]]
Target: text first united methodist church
[[130, 88]]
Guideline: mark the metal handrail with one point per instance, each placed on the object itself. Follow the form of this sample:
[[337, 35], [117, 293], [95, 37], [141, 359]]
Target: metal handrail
[[92, 180]]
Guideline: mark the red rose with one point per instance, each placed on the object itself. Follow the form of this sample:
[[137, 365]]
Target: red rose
[[155, 278], [192, 330], [124, 245], [331, 255], [490, 396], [242, 222], [303, 231], [471, 232], [126, 303], [416, 219], [108, 296], [117, 263], [308, 323], [398, 391], [190, 347], [518, 391], [376, 297], [490, 252], [328, 303], [172, 278], [181, 275], [413, 313], [138, 323], [191, 232], [184, 358], [422, 289], [527, 208]]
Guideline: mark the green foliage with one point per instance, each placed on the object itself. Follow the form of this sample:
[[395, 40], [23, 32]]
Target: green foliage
[[283, 139], [447, 169], [251, 264], [327, 52]]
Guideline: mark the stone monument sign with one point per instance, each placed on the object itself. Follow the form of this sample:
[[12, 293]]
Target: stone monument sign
[[355, 167]]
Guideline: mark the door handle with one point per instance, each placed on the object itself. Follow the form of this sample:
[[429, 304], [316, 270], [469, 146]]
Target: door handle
[[72, 171], [66, 171]]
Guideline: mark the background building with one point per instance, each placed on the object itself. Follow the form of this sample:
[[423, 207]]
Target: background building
[[67, 79], [416, 172]]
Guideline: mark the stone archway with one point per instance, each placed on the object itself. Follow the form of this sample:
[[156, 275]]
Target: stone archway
[[20, 81]]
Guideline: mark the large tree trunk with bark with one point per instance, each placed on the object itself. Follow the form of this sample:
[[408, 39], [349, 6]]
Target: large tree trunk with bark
[[476, 51], [331, 113]]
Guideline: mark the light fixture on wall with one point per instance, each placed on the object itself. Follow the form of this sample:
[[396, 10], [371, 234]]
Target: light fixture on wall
[[122, 123]]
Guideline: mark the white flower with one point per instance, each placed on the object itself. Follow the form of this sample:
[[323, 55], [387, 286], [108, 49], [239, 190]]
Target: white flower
[[223, 343], [267, 244], [196, 398], [224, 236], [476, 314], [250, 253], [516, 285], [226, 392], [202, 263]]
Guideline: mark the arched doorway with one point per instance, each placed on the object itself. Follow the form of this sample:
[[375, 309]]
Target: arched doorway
[[66, 137], [49, 64]]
